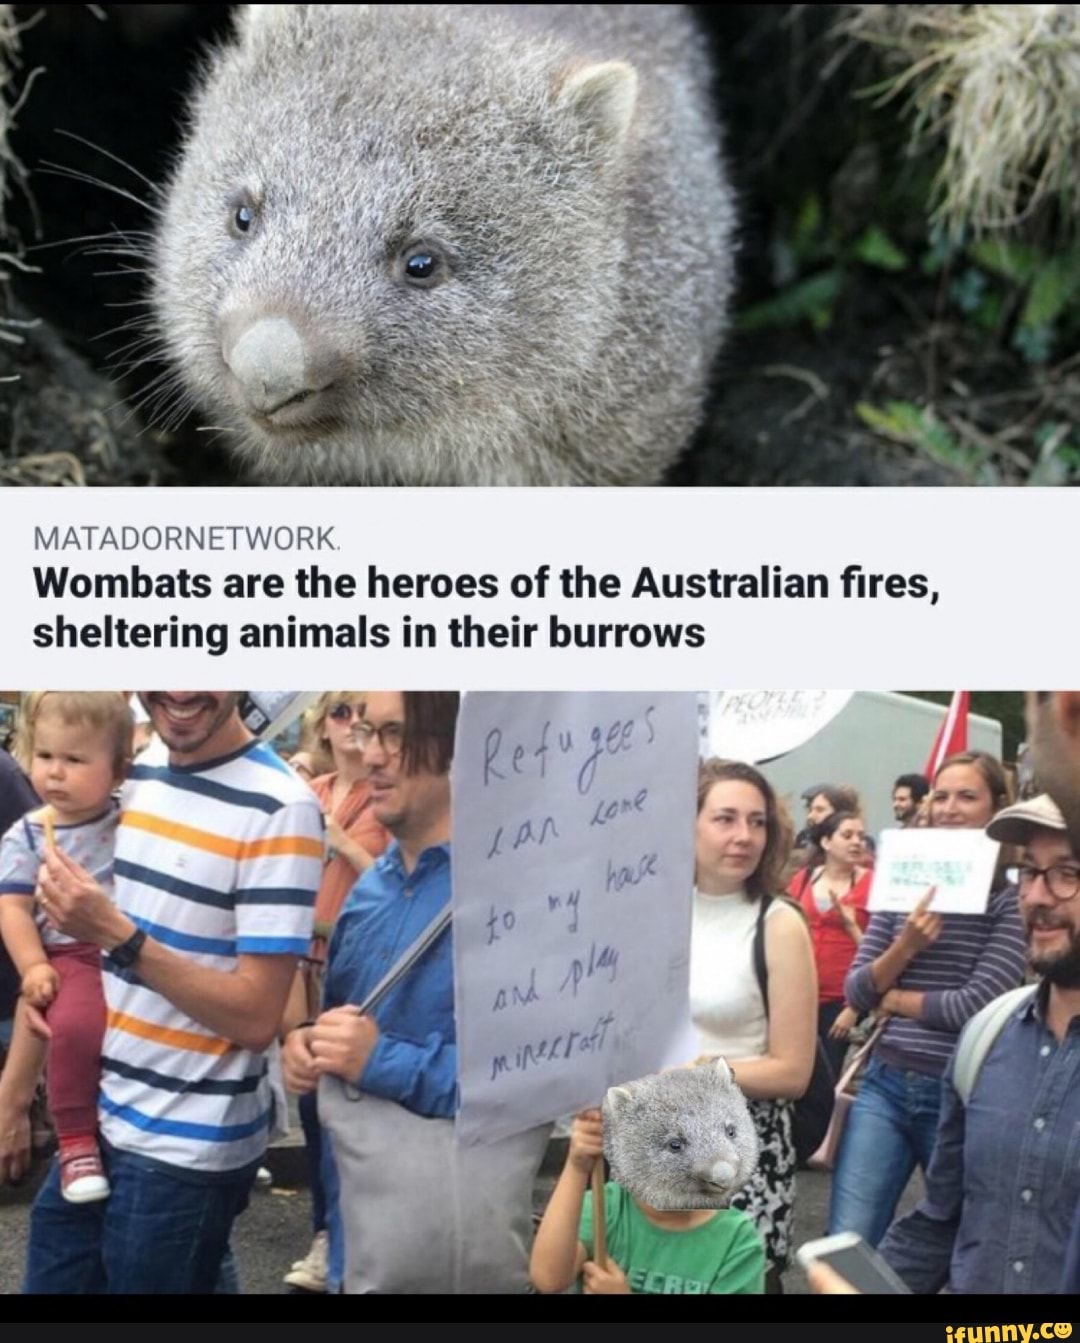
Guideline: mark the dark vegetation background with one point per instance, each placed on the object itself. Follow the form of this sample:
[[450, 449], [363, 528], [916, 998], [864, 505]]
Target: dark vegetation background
[[870, 350]]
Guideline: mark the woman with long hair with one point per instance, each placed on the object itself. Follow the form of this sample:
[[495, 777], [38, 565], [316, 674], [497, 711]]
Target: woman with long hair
[[832, 891], [928, 973], [742, 841]]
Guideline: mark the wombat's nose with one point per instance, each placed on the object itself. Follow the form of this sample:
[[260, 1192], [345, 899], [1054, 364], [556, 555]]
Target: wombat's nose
[[722, 1172], [275, 365]]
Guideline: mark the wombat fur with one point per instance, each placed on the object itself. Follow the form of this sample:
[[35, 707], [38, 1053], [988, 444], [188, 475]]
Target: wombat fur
[[681, 1139], [450, 244]]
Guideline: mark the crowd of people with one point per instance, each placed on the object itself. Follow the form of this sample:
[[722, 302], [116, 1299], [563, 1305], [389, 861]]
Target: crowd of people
[[193, 929]]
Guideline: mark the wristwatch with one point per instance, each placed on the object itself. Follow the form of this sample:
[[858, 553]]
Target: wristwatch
[[127, 953]]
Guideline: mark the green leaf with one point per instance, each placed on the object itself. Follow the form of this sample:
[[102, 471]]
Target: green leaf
[[876, 248], [810, 300], [1011, 260], [1052, 291], [988, 314], [904, 422], [805, 235]]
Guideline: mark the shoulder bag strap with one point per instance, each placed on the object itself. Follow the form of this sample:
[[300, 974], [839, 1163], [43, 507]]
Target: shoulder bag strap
[[861, 1057], [408, 959]]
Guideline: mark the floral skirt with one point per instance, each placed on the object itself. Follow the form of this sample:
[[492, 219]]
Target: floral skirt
[[769, 1197]]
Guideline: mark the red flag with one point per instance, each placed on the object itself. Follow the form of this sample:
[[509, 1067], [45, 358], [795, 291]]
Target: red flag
[[952, 734]]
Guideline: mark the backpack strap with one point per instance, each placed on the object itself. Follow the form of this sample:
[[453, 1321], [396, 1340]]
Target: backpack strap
[[978, 1037]]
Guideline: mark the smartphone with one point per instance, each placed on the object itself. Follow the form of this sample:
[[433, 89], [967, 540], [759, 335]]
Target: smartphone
[[850, 1256]]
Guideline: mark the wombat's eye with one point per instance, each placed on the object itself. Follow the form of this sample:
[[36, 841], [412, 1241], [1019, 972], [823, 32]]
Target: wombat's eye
[[730, 1130], [423, 267], [675, 1145], [243, 215], [420, 266]]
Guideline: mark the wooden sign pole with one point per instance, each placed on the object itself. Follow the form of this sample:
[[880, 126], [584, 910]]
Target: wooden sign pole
[[599, 1219]]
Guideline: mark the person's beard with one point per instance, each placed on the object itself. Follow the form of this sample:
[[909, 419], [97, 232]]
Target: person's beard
[[1061, 968]]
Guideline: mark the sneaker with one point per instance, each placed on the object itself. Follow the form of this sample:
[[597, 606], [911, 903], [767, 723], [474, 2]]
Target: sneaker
[[309, 1273], [263, 1178], [82, 1176]]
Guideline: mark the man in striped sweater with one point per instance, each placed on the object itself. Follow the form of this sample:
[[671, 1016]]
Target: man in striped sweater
[[218, 856]]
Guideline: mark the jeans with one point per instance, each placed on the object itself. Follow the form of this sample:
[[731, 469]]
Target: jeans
[[331, 1185], [153, 1234], [892, 1128]]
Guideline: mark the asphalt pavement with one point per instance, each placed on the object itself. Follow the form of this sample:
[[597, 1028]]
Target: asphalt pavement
[[276, 1229]]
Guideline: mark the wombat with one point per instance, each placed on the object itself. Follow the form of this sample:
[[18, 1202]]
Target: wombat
[[450, 244], [681, 1139]]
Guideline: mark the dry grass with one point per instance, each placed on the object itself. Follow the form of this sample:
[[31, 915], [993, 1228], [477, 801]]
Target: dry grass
[[999, 85]]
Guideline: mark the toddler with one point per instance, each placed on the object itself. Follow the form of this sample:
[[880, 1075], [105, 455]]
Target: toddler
[[78, 746], [692, 1251]]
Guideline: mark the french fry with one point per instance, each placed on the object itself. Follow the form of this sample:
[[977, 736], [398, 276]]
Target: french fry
[[47, 820]]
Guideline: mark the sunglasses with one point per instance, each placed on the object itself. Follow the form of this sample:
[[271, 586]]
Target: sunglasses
[[344, 713]]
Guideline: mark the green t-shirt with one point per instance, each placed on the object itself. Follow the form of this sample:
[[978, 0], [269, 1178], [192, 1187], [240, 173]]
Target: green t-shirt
[[722, 1256]]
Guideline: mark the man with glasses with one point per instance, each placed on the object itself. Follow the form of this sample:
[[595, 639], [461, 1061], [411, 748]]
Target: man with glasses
[[1053, 725], [413, 1212], [1004, 1180]]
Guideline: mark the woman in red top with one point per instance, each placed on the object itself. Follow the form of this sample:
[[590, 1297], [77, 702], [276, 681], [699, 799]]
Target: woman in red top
[[832, 891]]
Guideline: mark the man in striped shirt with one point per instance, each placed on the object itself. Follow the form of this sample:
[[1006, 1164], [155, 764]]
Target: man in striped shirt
[[219, 854]]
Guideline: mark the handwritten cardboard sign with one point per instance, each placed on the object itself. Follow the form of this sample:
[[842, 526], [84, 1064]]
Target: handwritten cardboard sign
[[759, 725], [960, 863], [573, 867]]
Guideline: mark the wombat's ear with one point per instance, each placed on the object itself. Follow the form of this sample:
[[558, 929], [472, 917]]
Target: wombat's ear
[[726, 1075], [617, 1098], [602, 97]]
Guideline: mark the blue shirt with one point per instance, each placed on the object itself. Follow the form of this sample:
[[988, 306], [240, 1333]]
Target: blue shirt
[[414, 1061], [1071, 1281], [1004, 1180]]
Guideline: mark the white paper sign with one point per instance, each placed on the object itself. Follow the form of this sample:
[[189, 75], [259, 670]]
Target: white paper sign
[[274, 710], [573, 863], [759, 725], [959, 863]]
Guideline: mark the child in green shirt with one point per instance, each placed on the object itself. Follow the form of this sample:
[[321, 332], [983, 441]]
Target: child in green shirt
[[693, 1251]]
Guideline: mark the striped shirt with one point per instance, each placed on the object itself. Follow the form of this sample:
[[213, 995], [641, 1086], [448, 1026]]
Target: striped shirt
[[976, 957], [213, 861], [22, 851]]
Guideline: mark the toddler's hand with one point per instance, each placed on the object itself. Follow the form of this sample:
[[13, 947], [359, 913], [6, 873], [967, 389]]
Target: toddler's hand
[[40, 985], [597, 1281], [586, 1140]]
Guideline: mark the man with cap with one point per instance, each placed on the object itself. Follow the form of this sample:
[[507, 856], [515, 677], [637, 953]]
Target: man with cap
[[1053, 724], [1004, 1180]]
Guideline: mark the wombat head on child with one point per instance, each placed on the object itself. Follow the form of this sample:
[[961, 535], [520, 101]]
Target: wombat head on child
[[682, 1138]]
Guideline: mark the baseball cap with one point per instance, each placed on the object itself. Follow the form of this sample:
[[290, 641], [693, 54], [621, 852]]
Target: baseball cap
[[1014, 824]]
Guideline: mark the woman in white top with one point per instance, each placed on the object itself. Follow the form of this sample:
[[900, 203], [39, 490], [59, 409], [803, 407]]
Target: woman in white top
[[743, 839]]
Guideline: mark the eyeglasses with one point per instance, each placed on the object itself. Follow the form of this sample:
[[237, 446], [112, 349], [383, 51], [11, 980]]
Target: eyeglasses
[[344, 713], [391, 736], [1062, 880]]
